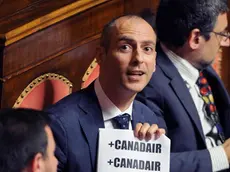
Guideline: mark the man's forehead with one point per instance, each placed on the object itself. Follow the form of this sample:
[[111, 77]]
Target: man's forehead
[[132, 27], [132, 23], [222, 22]]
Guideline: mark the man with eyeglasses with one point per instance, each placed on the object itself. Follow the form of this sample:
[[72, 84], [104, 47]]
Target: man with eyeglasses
[[185, 89], [225, 34]]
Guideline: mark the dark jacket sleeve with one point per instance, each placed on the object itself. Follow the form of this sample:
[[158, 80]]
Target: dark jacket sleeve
[[192, 161], [61, 141]]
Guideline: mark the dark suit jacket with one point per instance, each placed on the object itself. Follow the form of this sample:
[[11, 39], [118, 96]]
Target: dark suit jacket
[[75, 121], [167, 95]]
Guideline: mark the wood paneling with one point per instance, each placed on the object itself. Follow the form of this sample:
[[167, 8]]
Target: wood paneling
[[10, 7], [66, 48], [59, 37], [71, 64], [49, 19], [64, 42], [15, 13]]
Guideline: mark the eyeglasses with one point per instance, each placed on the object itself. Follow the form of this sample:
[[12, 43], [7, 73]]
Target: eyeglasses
[[224, 34]]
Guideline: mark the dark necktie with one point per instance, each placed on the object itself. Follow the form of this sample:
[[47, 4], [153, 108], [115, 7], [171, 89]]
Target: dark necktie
[[212, 114], [122, 121]]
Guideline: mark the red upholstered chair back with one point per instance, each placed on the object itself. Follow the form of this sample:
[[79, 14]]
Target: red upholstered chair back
[[43, 91], [91, 74]]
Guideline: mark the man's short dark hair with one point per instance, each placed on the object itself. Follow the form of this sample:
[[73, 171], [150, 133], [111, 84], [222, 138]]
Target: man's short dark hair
[[177, 18], [22, 136], [146, 14]]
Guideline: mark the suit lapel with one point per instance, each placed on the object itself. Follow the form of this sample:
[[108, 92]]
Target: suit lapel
[[179, 87], [91, 120], [186, 100]]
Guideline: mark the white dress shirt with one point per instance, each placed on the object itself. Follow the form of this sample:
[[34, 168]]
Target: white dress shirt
[[109, 110], [190, 75]]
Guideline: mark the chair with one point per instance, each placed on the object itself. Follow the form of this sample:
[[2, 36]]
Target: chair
[[43, 91], [91, 74]]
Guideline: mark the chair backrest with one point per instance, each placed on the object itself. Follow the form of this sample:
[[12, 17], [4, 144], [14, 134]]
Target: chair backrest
[[43, 91], [91, 74]]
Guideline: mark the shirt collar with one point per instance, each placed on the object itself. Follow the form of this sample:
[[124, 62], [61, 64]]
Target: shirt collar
[[188, 72], [109, 110]]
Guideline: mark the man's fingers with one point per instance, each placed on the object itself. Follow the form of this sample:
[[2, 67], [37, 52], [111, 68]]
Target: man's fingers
[[152, 130], [160, 131], [143, 130], [137, 129]]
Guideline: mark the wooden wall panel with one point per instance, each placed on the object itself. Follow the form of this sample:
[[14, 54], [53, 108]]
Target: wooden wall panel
[[15, 13], [9, 7], [71, 64], [58, 38], [66, 47]]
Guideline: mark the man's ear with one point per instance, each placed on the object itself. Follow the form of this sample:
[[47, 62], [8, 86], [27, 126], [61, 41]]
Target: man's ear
[[101, 54], [37, 163], [194, 39]]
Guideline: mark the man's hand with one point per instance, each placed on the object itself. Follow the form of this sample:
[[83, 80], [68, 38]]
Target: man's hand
[[145, 131], [226, 146]]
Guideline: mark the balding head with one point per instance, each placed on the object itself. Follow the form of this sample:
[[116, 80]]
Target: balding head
[[115, 25], [127, 57]]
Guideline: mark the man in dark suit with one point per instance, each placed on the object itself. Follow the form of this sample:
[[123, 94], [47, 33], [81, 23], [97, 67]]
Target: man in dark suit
[[185, 89], [26, 141], [127, 61]]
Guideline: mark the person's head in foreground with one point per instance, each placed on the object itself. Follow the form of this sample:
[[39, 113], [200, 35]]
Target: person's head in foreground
[[193, 29], [26, 142], [127, 57]]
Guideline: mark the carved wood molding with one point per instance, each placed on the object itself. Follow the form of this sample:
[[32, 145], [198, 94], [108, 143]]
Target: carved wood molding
[[49, 19]]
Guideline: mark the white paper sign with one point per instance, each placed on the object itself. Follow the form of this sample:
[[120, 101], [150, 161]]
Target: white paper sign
[[120, 151]]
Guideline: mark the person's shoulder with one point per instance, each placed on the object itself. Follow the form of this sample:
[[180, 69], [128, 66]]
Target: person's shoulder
[[159, 73], [157, 83], [67, 101]]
